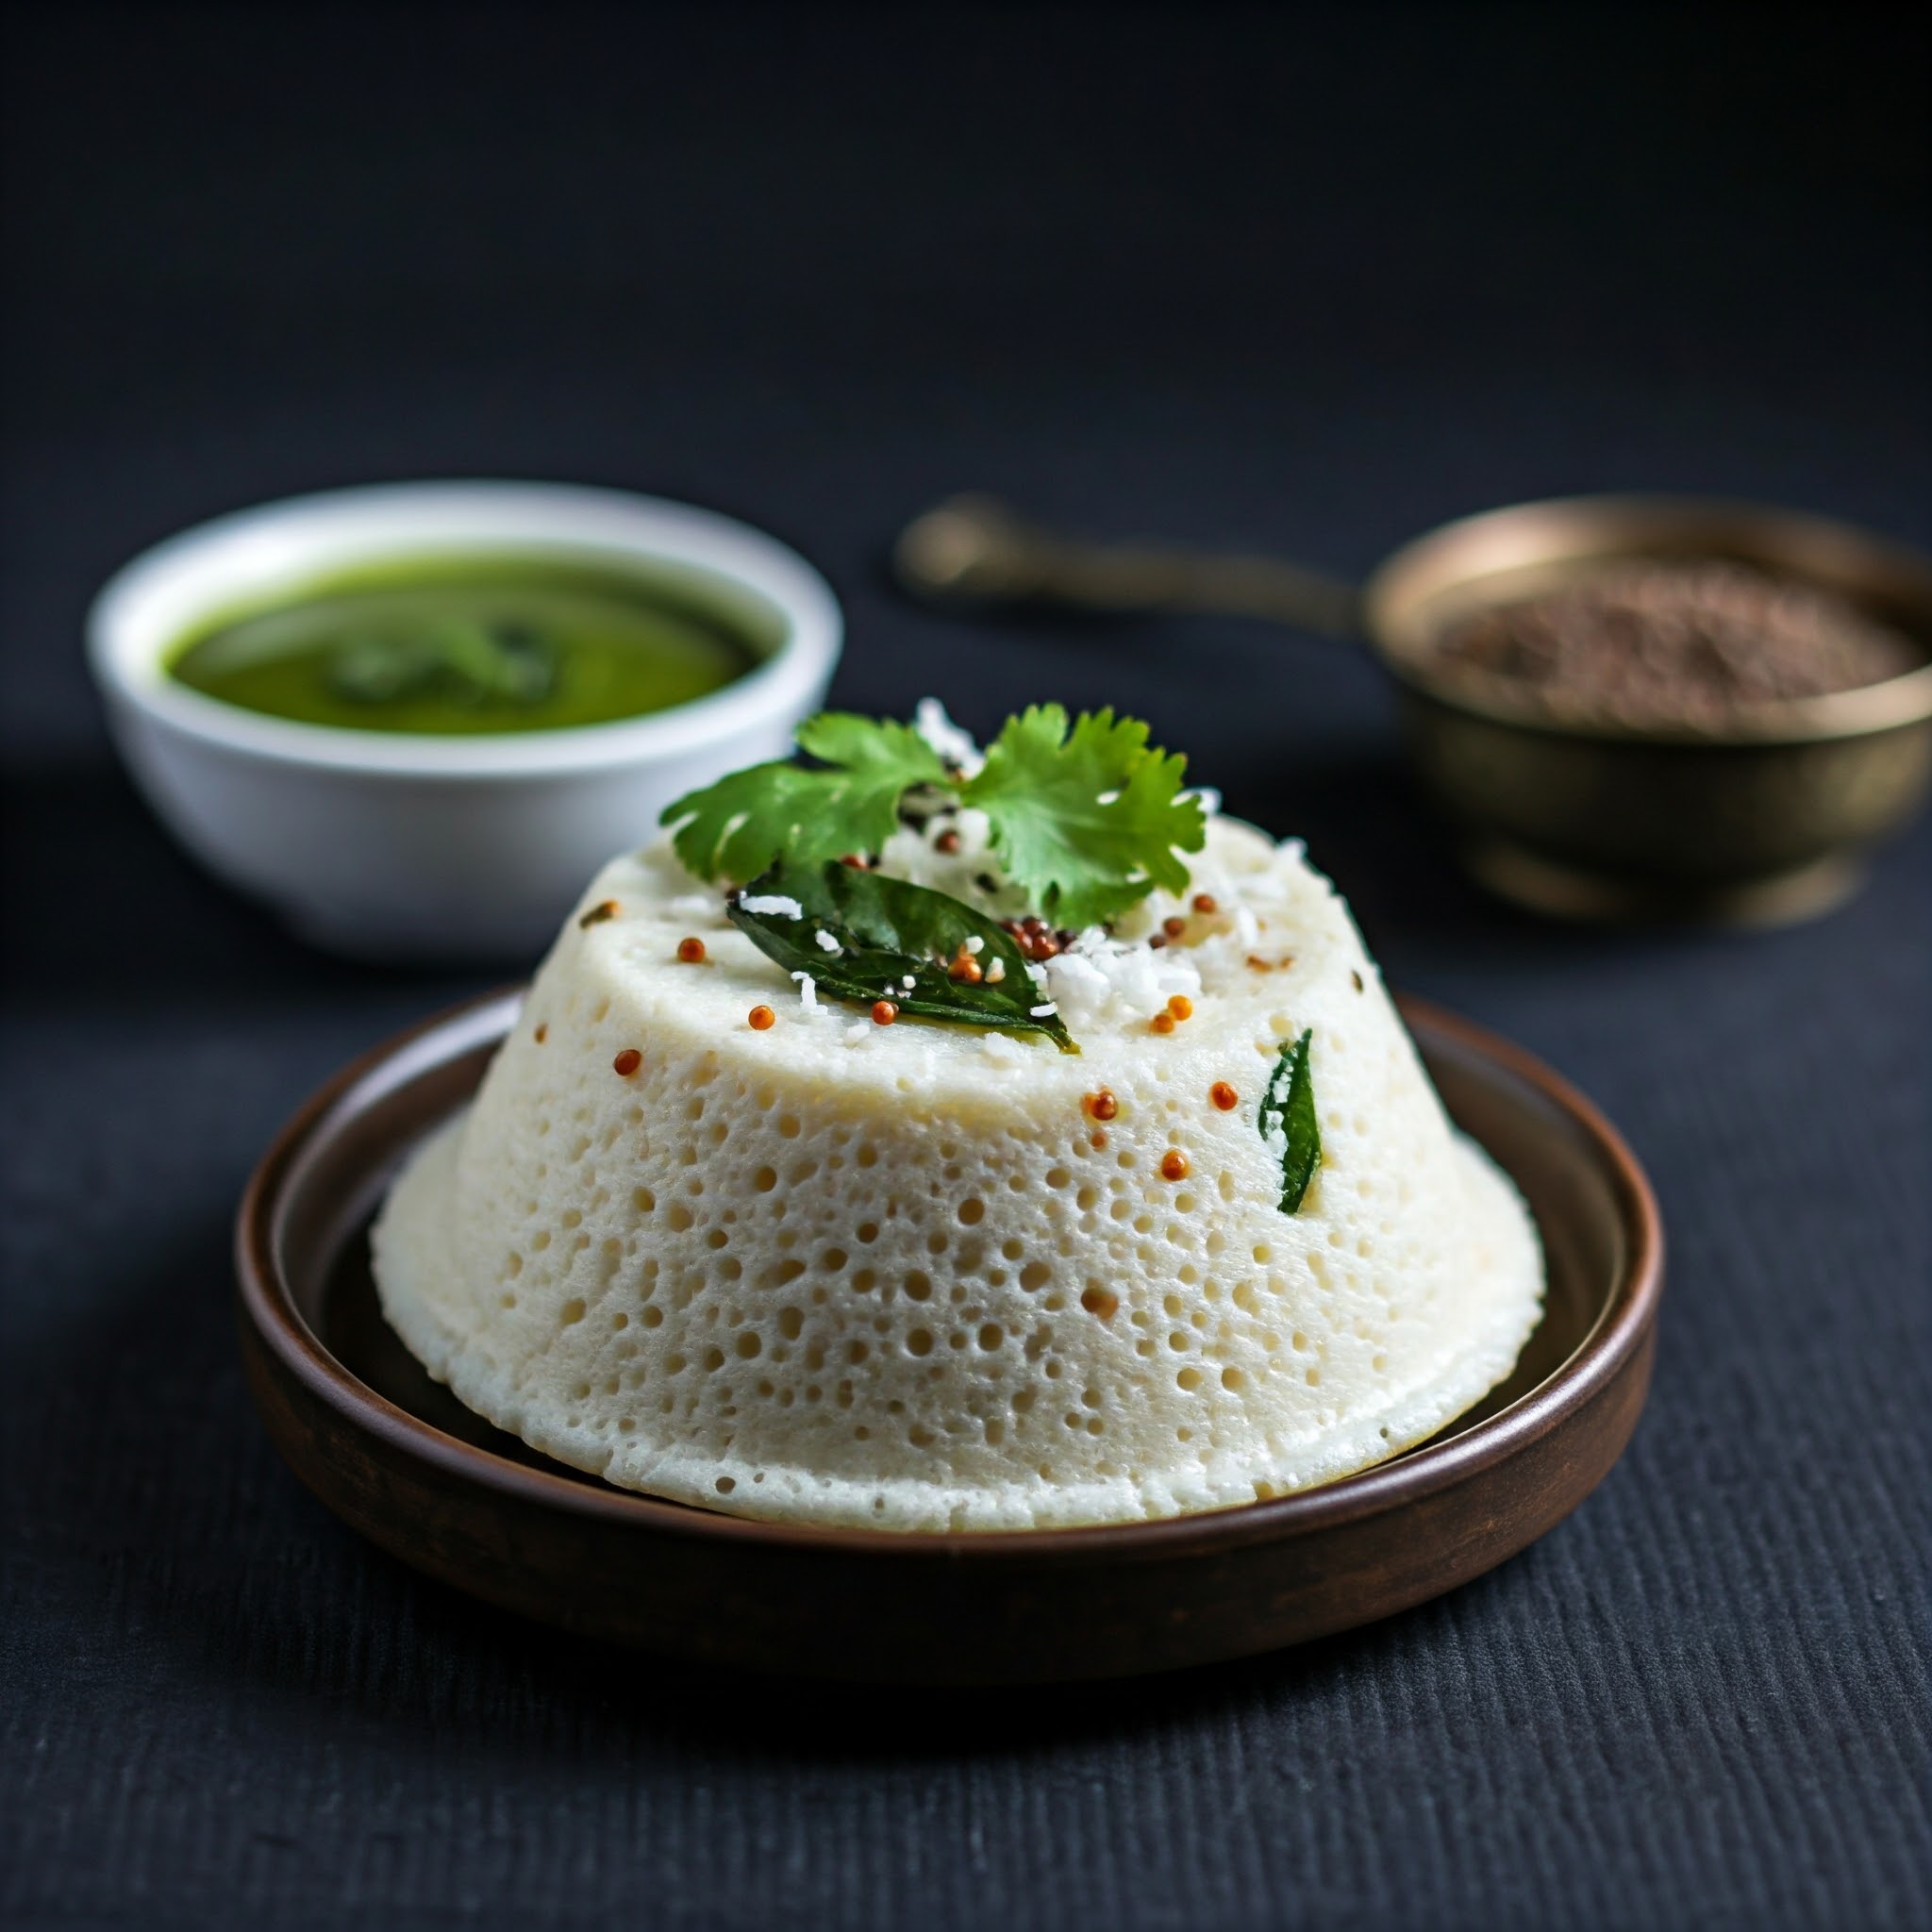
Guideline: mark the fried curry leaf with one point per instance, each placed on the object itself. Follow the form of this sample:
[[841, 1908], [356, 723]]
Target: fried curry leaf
[[887, 931], [1086, 818], [1287, 1117], [804, 814]]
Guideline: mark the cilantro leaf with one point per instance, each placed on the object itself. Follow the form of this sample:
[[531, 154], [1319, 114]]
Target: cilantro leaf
[[804, 814], [1288, 1115], [1086, 818], [873, 761], [1085, 823], [889, 931], [735, 829]]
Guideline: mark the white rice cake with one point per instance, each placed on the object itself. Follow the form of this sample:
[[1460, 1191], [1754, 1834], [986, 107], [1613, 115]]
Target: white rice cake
[[838, 1273]]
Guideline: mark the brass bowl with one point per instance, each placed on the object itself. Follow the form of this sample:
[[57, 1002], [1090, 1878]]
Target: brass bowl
[[1764, 820]]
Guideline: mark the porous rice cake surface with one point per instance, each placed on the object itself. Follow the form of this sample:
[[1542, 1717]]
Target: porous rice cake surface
[[838, 1273]]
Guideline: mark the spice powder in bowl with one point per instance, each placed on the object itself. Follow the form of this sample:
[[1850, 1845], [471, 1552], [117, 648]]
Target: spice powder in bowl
[[1662, 644]]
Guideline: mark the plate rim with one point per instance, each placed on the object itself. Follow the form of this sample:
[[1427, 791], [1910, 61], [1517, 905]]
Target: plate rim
[[1621, 1329]]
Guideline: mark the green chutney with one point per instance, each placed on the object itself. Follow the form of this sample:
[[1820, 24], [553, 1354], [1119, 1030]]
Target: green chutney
[[472, 644]]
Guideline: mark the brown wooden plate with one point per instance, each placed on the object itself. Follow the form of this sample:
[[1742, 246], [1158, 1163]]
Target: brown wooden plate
[[398, 1457]]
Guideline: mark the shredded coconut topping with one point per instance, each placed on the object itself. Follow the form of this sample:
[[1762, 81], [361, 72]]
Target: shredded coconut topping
[[777, 905], [1098, 979], [954, 746]]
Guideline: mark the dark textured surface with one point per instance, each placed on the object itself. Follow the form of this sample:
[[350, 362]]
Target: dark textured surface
[[1305, 280]]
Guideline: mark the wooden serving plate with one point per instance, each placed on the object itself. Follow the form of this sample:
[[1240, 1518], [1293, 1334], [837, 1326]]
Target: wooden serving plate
[[396, 1457]]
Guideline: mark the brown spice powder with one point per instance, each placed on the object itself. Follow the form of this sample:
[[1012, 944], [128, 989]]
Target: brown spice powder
[[1650, 644]]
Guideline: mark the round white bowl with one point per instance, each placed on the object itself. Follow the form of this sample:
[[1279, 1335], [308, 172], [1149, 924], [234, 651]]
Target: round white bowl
[[398, 845]]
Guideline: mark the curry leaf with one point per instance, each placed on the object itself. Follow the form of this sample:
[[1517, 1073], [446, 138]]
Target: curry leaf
[[887, 931], [1287, 1117]]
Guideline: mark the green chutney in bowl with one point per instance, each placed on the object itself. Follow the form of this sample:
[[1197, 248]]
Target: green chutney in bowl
[[454, 643], [414, 718]]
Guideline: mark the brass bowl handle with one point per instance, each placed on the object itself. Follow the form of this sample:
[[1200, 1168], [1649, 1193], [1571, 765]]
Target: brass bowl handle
[[975, 550]]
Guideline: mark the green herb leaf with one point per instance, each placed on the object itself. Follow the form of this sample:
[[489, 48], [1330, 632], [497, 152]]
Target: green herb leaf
[[1086, 822], [735, 829], [1087, 817], [805, 815], [887, 930], [1288, 1111], [465, 661]]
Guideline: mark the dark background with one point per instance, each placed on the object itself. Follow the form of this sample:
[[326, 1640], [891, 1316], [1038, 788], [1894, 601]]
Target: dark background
[[1305, 279]]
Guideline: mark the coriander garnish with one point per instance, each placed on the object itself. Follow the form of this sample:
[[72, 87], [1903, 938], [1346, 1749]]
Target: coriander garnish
[[1085, 817]]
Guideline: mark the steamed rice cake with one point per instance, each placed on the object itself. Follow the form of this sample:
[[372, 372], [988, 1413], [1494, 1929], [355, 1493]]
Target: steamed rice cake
[[929, 1277]]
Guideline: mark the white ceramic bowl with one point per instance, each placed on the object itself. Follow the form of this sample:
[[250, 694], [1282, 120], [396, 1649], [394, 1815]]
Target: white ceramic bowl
[[393, 845]]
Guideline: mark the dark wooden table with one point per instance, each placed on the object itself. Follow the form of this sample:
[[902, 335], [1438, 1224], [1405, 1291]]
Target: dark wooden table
[[1303, 282]]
